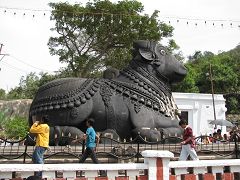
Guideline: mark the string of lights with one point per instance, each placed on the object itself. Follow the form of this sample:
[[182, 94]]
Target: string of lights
[[233, 23]]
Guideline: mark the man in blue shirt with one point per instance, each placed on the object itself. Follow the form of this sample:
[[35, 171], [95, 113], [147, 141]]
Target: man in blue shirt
[[90, 138]]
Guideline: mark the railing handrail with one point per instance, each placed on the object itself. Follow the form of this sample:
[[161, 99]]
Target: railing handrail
[[70, 167]]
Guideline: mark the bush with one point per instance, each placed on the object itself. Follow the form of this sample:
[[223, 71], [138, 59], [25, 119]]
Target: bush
[[16, 127], [13, 127], [3, 120]]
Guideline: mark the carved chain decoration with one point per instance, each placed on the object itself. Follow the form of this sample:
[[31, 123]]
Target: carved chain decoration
[[69, 99], [106, 94]]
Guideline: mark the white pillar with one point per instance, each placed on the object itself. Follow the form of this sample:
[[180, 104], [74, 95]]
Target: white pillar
[[158, 163]]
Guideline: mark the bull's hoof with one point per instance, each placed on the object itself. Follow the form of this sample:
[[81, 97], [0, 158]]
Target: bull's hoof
[[64, 135], [109, 136], [171, 135], [148, 134]]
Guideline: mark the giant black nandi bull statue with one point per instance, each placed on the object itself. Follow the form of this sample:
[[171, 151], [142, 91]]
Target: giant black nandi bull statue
[[137, 100]]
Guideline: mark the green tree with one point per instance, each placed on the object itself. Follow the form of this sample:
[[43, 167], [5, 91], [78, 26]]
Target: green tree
[[16, 93], [225, 76], [233, 104], [2, 94], [100, 34], [29, 85], [189, 82]]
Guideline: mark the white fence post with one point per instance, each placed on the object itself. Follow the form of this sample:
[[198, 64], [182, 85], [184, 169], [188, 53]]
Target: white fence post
[[158, 162]]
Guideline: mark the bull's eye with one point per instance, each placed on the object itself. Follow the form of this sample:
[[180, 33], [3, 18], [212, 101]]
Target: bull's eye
[[163, 52]]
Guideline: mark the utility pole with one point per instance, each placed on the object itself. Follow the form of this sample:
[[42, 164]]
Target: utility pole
[[1, 48], [212, 88], [210, 76], [3, 55]]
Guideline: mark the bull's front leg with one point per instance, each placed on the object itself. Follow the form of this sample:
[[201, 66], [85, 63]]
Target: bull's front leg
[[169, 129], [144, 125]]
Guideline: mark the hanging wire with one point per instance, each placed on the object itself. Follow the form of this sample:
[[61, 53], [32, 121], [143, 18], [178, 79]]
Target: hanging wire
[[14, 67], [83, 18], [111, 18], [140, 21], [23, 62], [150, 21], [120, 20], [101, 18], [131, 22]]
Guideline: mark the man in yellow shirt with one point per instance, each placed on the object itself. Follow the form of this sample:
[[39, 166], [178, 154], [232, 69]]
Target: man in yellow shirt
[[41, 130]]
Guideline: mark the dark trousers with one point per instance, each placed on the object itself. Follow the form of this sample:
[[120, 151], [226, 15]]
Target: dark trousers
[[89, 152]]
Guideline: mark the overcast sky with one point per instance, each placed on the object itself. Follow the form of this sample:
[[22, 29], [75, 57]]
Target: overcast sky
[[25, 37]]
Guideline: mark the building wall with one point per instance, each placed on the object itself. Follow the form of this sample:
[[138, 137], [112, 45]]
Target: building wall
[[200, 112]]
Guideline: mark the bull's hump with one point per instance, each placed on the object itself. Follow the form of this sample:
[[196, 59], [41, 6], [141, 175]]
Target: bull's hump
[[62, 93], [60, 86]]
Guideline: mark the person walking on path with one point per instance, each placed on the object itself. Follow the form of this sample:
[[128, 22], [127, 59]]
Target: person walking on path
[[188, 143], [41, 130], [90, 139]]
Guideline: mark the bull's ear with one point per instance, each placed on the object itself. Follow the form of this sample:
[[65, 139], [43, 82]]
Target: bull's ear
[[146, 49], [147, 54]]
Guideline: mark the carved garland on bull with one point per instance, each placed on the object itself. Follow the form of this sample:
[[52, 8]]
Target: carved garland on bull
[[157, 97]]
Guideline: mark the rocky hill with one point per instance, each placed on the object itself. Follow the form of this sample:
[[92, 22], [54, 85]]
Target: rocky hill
[[16, 107]]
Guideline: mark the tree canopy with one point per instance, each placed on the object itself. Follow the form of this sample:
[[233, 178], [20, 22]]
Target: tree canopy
[[29, 85], [100, 34], [225, 76]]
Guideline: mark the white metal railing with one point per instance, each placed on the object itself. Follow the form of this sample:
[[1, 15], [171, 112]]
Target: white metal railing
[[156, 166]]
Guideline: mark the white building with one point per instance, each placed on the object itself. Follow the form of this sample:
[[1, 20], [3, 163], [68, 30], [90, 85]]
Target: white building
[[198, 110]]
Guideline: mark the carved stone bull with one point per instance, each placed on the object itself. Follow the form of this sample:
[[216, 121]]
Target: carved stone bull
[[137, 100]]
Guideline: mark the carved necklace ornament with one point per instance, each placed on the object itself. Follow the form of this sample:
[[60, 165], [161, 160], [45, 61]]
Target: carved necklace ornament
[[158, 90], [140, 97]]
